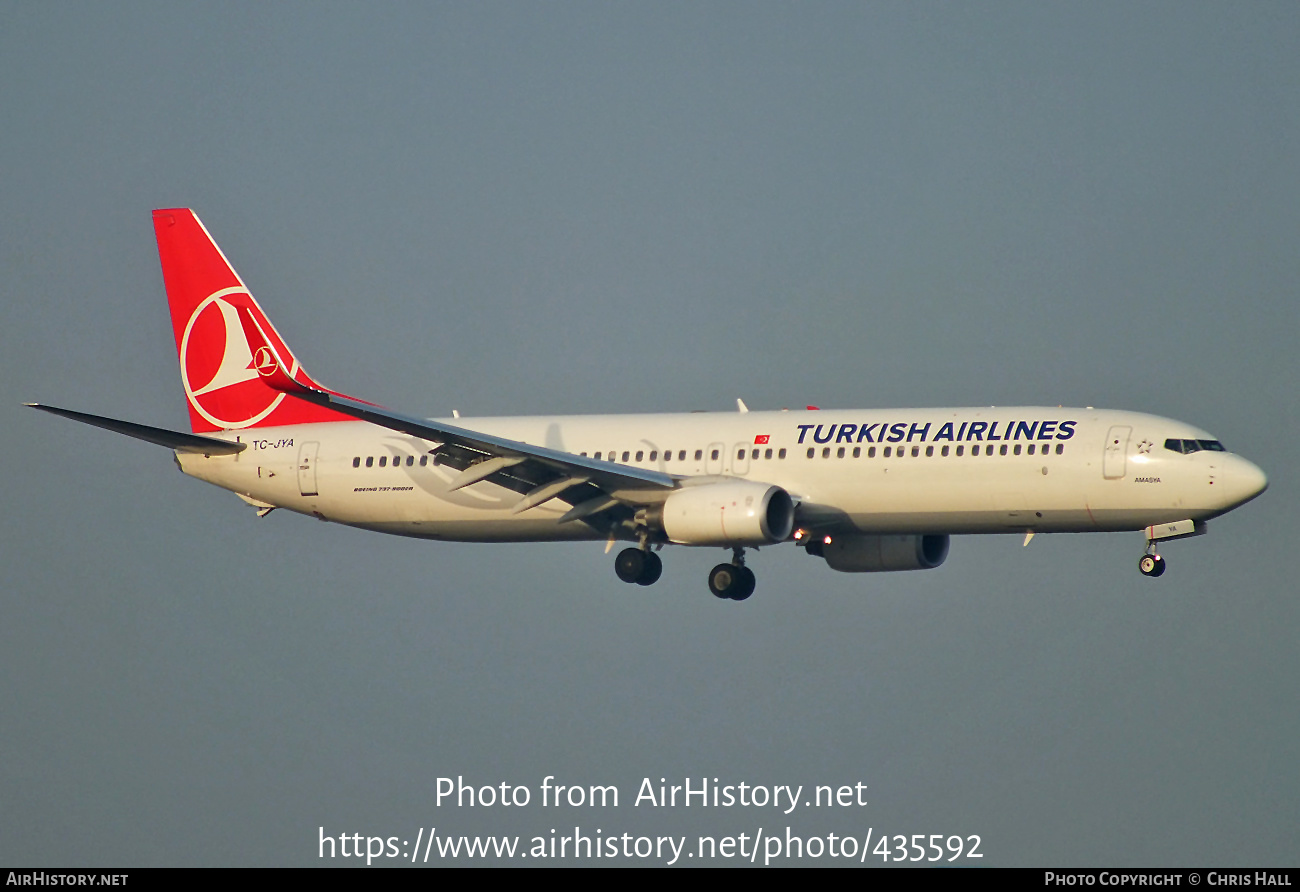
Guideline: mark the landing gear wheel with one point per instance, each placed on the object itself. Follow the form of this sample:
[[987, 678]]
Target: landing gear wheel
[[723, 579], [641, 567], [1151, 565], [652, 569], [731, 582], [744, 585], [630, 564]]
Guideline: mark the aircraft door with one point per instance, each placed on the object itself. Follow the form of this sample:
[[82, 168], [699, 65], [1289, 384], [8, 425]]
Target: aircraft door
[[714, 458], [1112, 467], [307, 469]]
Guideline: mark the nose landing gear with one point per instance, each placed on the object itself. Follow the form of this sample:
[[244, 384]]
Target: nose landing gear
[[1151, 564]]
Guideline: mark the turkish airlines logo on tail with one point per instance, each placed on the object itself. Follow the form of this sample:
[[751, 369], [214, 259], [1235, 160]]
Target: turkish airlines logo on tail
[[264, 361], [219, 370]]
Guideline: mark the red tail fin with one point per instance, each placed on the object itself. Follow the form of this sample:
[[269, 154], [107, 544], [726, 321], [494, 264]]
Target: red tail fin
[[217, 367]]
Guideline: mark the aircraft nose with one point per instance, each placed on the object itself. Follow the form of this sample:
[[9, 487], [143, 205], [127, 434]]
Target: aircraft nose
[[1243, 480]]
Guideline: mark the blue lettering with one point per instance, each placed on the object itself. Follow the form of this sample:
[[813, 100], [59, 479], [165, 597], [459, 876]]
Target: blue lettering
[[803, 431], [846, 433], [897, 432], [864, 432], [1026, 428], [977, 429], [994, 430], [945, 432], [961, 433], [817, 435], [1067, 430], [918, 430], [1046, 429]]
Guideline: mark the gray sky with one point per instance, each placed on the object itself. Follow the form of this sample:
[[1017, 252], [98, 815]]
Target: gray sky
[[554, 208]]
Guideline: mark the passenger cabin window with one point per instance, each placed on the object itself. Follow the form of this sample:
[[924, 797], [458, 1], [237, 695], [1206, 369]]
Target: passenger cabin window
[[767, 453], [960, 450], [714, 455], [839, 453], [857, 452], [929, 451], [424, 460], [356, 462], [681, 455], [626, 456], [781, 454], [1060, 447], [640, 455], [654, 454], [370, 461], [699, 455], [383, 461]]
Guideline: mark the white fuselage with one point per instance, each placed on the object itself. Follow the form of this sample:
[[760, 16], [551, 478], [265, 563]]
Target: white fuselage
[[1050, 470]]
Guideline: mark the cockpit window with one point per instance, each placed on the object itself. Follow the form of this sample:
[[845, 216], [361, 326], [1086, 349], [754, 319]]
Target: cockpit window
[[1187, 447]]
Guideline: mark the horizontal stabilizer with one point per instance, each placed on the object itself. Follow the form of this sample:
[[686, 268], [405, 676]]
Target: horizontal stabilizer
[[171, 439]]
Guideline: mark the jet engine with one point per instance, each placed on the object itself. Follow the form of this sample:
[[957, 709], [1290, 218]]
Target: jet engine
[[728, 513], [877, 554]]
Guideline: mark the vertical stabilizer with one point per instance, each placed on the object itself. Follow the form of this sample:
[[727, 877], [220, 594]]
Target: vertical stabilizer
[[218, 368]]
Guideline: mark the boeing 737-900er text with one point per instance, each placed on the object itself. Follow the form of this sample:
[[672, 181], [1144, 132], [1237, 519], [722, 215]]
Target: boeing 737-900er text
[[865, 490]]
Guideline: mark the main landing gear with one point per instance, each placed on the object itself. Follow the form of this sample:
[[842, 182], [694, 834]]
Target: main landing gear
[[638, 565], [1151, 564], [734, 580]]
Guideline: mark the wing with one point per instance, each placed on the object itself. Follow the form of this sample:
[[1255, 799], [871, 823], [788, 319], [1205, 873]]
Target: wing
[[589, 485]]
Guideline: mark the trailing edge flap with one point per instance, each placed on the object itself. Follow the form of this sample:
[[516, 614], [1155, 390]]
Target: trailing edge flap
[[608, 476], [172, 439]]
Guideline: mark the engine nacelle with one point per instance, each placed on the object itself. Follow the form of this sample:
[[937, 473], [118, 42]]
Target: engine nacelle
[[728, 513], [877, 554]]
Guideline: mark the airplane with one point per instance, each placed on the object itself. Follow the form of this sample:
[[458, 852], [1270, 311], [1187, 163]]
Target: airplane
[[863, 490]]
